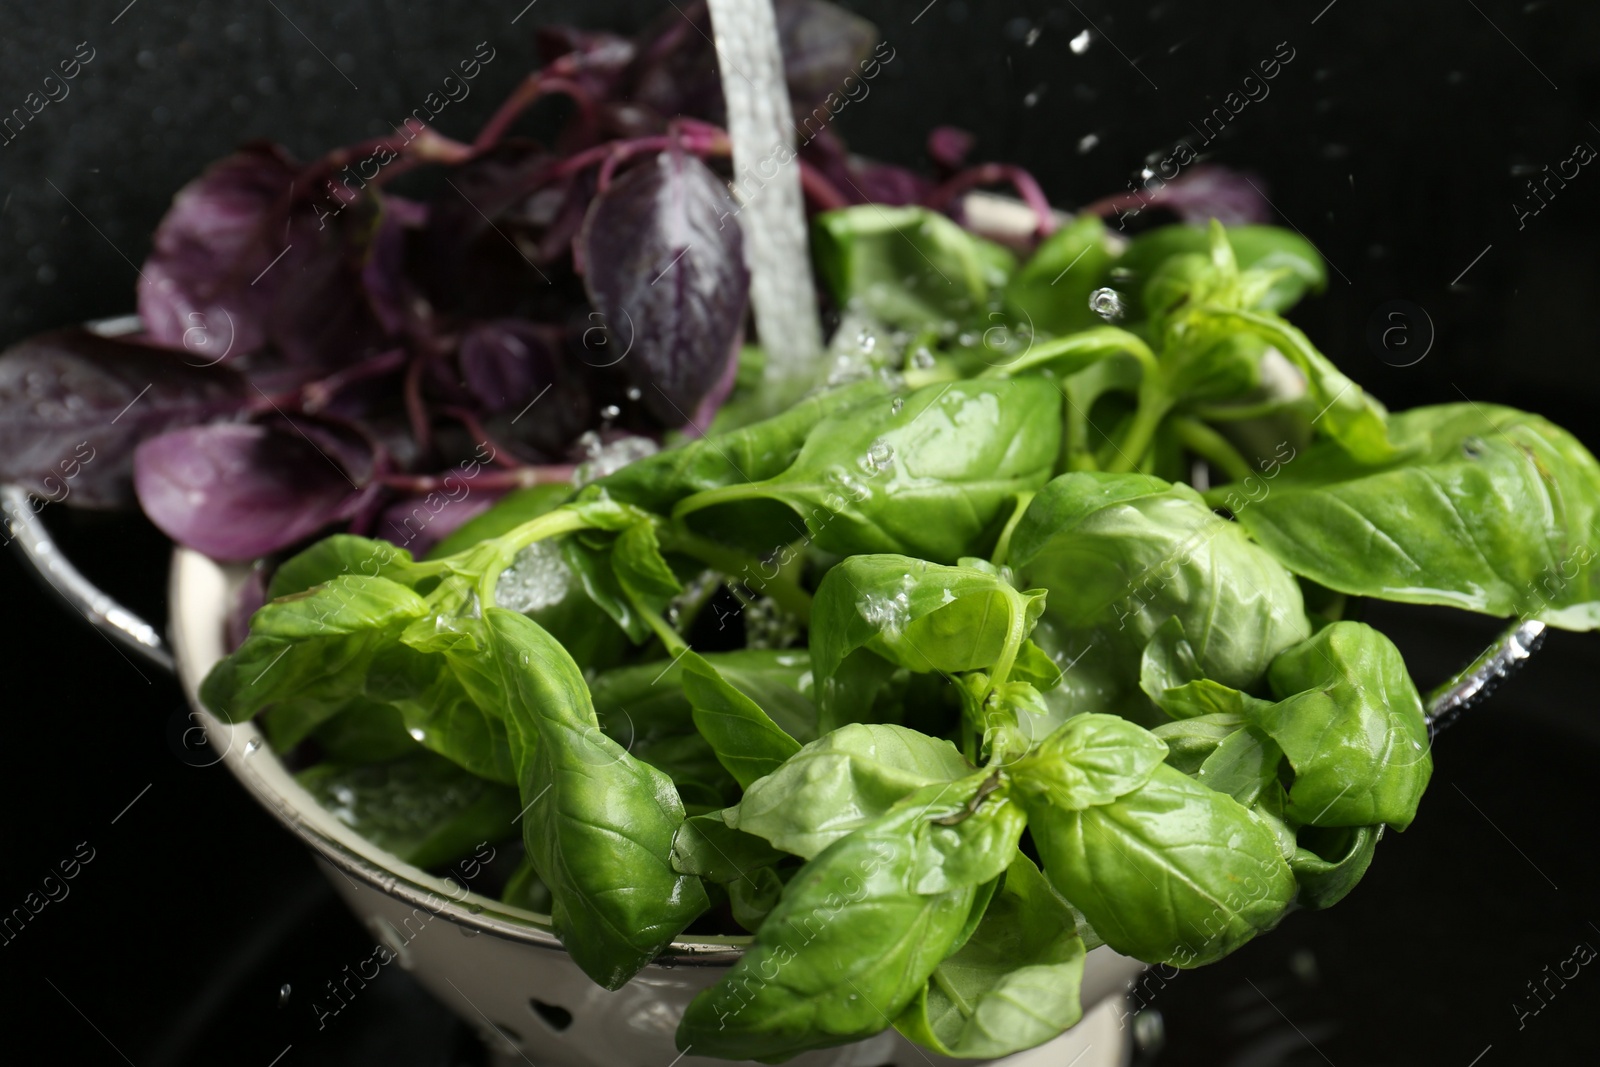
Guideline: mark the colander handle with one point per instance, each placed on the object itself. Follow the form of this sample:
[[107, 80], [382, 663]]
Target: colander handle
[[35, 544]]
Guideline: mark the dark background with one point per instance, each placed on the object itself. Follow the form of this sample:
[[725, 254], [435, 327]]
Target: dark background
[[1398, 139]]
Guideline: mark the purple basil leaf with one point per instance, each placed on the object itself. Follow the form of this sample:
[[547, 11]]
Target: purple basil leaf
[[236, 491], [665, 271], [949, 147], [507, 363], [249, 253], [1212, 191], [676, 71], [247, 601], [595, 60], [73, 405], [473, 261], [222, 230], [884, 183], [320, 314], [390, 293], [823, 44]]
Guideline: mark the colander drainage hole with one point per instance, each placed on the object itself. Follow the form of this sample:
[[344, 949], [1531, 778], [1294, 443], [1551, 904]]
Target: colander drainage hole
[[557, 1017]]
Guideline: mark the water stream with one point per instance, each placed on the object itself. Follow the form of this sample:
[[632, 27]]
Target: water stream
[[761, 126]]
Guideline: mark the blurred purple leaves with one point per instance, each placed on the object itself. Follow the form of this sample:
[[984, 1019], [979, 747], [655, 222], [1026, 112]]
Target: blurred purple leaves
[[72, 388]]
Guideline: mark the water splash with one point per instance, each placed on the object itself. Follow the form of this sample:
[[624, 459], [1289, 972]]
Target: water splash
[[603, 458], [538, 578], [761, 127]]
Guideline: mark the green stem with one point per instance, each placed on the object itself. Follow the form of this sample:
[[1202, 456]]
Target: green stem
[[1212, 447], [726, 494], [783, 589], [663, 630], [497, 555], [1078, 350], [1238, 412], [1016, 634], [1002, 548], [1153, 407]]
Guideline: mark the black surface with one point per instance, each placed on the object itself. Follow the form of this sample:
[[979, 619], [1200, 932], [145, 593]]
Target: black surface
[[1398, 139]]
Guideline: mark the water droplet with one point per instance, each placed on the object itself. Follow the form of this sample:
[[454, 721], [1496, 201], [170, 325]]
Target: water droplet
[[283, 994], [417, 734], [967, 340], [1472, 447], [866, 341], [525, 659], [467, 931], [609, 412], [1087, 142], [922, 359], [879, 458], [1032, 38], [898, 405], [1080, 43], [634, 393], [253, 746], [1033, 97], [1107, 303]]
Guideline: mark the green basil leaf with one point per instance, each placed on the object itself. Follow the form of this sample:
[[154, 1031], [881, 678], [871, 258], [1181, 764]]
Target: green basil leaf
[[918, 615], [439, 710], [752, 453], [934, 477], [1091, 760], [423, 809], [1122, 554], [543, 586], [1262, 248], [967, 835], [841, 782], [365, 731], [907, 266], [1350, 416], [1013, 985], [1190, 742], [1168, 662], [1242, 766], [1351, 723], [591, 562], [747, 742], [342, 554], [1328, 863], [599, 823], [647, 700], [707, 846], [752, 898], [843, 951], [1172, 872], [313, 645], [703, 783], [524, 889], [854, 938], [1051, 291], [1491, 510]]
